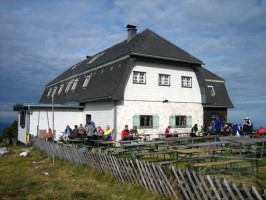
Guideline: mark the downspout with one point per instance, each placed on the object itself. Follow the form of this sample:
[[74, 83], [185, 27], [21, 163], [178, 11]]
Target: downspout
[[115, 114], [28, 121]]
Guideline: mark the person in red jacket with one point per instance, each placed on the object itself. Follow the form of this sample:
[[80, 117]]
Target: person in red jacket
[[167, 132], [126, 135], [260, 132]]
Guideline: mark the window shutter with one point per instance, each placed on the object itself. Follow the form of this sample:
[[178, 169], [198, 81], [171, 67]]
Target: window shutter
[[189, 122], [155, 121], [172, 121], [136, 121]]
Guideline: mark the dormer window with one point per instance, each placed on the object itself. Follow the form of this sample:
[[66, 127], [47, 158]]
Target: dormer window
[[95, 57], [55, 88], [86, 82], [68, 86], [49, 93], [139, 77], [74, 84], [60, 89], [211, 89]]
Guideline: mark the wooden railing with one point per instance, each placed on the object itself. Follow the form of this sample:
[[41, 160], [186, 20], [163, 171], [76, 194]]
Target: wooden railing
[[172, 182]]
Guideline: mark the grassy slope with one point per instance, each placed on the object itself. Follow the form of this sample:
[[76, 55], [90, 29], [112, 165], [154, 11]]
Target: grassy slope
[[25, 178]]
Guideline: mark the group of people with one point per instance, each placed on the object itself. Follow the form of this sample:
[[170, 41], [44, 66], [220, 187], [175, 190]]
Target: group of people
[[129, 134], [90, 131], [218, 128]]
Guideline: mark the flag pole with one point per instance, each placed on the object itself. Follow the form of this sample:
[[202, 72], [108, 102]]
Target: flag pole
[[53, 122]]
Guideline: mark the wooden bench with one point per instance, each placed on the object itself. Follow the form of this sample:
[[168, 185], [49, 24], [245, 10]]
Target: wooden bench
[[218, 163], [140, 155]]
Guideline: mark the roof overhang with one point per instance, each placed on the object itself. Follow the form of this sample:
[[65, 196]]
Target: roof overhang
[[29, 106], [165, 58]]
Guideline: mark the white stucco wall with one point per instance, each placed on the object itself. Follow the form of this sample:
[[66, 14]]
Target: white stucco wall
[[147, 99], [61, 119], [44, 119], [151, 91], [127, 109], [102, 113]]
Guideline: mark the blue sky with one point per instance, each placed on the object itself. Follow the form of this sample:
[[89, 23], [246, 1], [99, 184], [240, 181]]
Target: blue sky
[[41, 39]]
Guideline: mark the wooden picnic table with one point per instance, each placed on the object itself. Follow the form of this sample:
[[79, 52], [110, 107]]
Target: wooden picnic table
[[132, 146], [147, 137], [76, 141], [204, 144], [107, 144]]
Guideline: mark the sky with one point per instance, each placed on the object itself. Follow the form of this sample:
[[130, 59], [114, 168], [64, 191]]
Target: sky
[[41, 39]]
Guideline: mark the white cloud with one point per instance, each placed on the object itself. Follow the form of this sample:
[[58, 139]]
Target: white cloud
[[41, 39]]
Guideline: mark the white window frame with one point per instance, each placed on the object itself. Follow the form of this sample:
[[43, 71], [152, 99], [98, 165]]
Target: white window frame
[[164, 79], [54, 91], [60, 89], [139, 77], [211, 89], [75, 82], [86, 82], [68, 86], [186, 81], [49, 92]]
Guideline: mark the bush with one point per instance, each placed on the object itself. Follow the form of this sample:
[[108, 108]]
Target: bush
[[11, 131], [7, 132]]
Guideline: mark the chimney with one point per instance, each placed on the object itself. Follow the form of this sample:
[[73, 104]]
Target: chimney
[[132, 32]]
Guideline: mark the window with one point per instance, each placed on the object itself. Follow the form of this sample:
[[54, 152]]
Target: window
[[164, 79], [68, 86], [95, 57], [22, 119], [60, 89], [180, 121], [211, 89], [186, 82], [213, 117], [139, 77], [74, 84], [87, 80], [55, 88], [49, 93], [146, 121]]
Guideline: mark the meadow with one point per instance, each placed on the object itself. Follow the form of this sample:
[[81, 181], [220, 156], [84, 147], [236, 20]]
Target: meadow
[[36, 177]]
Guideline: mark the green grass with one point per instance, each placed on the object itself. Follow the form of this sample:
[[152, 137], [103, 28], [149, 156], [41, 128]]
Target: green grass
[[35, 177]]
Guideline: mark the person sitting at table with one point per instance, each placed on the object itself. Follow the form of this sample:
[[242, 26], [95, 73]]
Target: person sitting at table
[[126, 135], [49, 135], [134, 131], [100, 131], [74, 133], [226, 130], [167, 132], [260, 132], [82, 129], [194, 131], [108, 133], [68, 131]]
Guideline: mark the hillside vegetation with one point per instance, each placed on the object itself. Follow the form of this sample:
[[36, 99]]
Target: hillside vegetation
[[35, 177]]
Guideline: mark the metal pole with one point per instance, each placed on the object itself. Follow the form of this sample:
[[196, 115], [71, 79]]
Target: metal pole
[[53, 122]]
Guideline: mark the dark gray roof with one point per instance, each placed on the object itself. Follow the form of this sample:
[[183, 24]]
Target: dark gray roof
[[221, 97], [145, 44], [110, 69]]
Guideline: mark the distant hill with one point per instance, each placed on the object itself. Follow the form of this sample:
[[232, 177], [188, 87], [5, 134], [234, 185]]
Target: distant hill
[[2, 126]]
